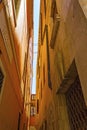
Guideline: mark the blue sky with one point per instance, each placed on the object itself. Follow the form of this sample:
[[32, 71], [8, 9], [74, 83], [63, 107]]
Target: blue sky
[[36, 27]]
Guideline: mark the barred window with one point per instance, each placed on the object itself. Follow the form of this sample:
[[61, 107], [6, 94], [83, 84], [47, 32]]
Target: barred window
[[77, 109]]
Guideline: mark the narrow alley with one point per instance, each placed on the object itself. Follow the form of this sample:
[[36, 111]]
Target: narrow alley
[[43, 64]]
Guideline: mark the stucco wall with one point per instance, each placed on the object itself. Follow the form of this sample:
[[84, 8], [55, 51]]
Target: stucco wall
[[70, 44], [10, 102]]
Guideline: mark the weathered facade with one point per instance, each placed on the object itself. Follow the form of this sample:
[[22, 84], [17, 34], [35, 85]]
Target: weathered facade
[[16, 54], [61, 66]]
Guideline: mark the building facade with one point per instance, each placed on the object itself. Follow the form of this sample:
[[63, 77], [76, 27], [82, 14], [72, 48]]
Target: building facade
[[16, 56], [33, 110], [61, 66]]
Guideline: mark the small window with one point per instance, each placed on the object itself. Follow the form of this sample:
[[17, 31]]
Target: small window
[[1, 79], [41, 24], [41, 90], [37, 106], [48, 57], [44, 74], [56, 22], [19, 118], [33, 110], [25, 68], [33, 97]]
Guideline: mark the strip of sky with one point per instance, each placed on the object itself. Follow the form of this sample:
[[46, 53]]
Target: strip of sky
[[36, 30]]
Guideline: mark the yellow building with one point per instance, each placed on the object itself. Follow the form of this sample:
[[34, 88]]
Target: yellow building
[[62, 65], [16, 54]]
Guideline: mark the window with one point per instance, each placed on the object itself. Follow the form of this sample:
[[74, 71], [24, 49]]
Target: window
[[41, 90], [44, 126], [33, 110], [53, 9], [1, 79], [25, 68], [33, 97], [48, 57], [41, 24], [45, 33], [56, 23], [19, 117], [45, 7], [77, 109], [37, 106], [44, 74]]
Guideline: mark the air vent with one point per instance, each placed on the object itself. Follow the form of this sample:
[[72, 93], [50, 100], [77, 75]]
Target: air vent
[[1, 79]]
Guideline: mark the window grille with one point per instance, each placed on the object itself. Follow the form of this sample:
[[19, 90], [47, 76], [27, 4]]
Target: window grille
[[77, 109]]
